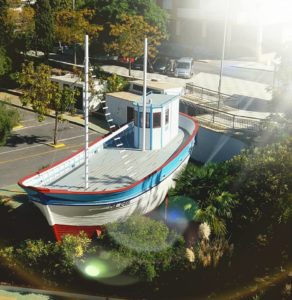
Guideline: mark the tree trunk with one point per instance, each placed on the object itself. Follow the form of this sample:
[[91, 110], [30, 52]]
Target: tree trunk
[[129, 66], [75, 55], [56, 127]]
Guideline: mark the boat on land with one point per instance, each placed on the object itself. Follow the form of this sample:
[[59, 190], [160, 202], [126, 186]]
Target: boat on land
[[128, 171]]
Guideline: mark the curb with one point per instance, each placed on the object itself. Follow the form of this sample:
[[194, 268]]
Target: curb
[[253, 68], [70, 120]]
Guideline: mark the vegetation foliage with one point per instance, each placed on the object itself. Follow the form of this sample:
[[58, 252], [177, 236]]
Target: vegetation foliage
[[44, 95], [48, 259], [252, 189], [8, 119], [129, 34], [71, 26], [44, 26]]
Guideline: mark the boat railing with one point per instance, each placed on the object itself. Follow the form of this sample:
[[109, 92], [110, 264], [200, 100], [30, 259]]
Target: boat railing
[[58, 170], [187, 124]]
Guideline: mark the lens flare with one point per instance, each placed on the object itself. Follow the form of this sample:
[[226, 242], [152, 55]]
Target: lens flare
[[92, 270]]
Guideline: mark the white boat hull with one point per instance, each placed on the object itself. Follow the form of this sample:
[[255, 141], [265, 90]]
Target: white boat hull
[[93, 215]]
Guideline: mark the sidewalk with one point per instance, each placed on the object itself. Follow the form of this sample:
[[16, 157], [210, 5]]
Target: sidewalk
[[76, 119]]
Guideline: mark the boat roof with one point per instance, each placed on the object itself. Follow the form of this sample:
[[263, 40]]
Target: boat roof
[[109, 171], [157, 100], [125, 96], [158, 85]]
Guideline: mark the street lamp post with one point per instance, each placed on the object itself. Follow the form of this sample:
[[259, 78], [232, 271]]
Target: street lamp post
[[75, 58], [223, 50]]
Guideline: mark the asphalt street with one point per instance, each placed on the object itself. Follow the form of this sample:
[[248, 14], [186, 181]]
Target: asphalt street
[[232, 69], [27, 149]]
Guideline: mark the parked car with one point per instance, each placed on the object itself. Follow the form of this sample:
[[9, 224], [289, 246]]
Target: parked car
[[161, 64], [125, 60], [139, 65], [184, 67]]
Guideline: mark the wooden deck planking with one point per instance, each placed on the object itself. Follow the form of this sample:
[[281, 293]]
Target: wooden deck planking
[[107, 170]]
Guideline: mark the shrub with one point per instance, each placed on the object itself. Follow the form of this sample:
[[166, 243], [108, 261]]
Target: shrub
[[8, 119], [50, 259]]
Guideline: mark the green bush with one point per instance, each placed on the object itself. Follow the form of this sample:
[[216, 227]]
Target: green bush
[[143, 247], [253, 188], [50, 259], [8, 119]]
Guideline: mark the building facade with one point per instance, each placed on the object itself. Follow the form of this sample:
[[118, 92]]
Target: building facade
[[254, 27]]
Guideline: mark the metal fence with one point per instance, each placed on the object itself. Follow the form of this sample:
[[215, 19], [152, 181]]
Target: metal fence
[[208, 96], [219, 116]]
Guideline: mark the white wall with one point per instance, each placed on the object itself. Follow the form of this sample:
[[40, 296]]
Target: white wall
[[118, 109], [214, 146]]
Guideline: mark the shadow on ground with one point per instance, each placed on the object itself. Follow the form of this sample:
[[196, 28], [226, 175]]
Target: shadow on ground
[[15, 139], [248, 103], [20, 220]]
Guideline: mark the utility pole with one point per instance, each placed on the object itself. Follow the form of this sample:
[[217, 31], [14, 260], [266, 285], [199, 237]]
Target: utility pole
[[144, 94], [223, 50], [75, 58], [86, 71]]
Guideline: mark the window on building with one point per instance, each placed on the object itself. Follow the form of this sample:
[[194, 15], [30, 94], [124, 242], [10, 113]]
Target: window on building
[[167, 116], [157, 120]]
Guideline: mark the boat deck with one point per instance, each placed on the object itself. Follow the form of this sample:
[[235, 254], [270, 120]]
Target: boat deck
[[110, 169]]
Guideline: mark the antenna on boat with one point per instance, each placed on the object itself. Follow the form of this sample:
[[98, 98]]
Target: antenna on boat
[[144, 95], [86, 63]]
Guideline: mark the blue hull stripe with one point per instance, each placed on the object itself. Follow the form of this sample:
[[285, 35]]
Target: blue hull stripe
[[113, 198]]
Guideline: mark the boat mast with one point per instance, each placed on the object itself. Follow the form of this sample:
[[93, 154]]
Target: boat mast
[[86, 109], [144, 95]]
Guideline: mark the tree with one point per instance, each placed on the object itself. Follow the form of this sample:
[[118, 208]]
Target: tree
[[3, 18], [129, 36], [282, 89], [44, 26], [71, 26], [57, 5], [45, 95], [5, 62], [8, 119], [107, 12], [23, 24]]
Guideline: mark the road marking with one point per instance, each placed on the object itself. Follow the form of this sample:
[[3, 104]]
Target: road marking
[[24, 121], [39, 145], [28, 127], [39, 154]]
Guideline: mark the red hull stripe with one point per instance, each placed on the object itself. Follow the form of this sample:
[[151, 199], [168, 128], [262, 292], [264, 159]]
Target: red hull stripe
[[61, 230]]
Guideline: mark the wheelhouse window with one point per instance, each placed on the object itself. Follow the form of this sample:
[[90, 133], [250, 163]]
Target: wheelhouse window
[[141, 119], [130, 114], [157, 120]]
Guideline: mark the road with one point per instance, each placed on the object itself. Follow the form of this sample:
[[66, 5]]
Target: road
[[235, 69], [27, 149], [232, 69]]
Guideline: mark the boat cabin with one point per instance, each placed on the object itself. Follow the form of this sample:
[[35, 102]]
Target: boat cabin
[[74, 82], [162, 118], [157, 87]]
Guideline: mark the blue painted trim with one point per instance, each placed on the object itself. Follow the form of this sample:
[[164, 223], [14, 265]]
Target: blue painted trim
[[107, 199], [151, 128], [138, 126]]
